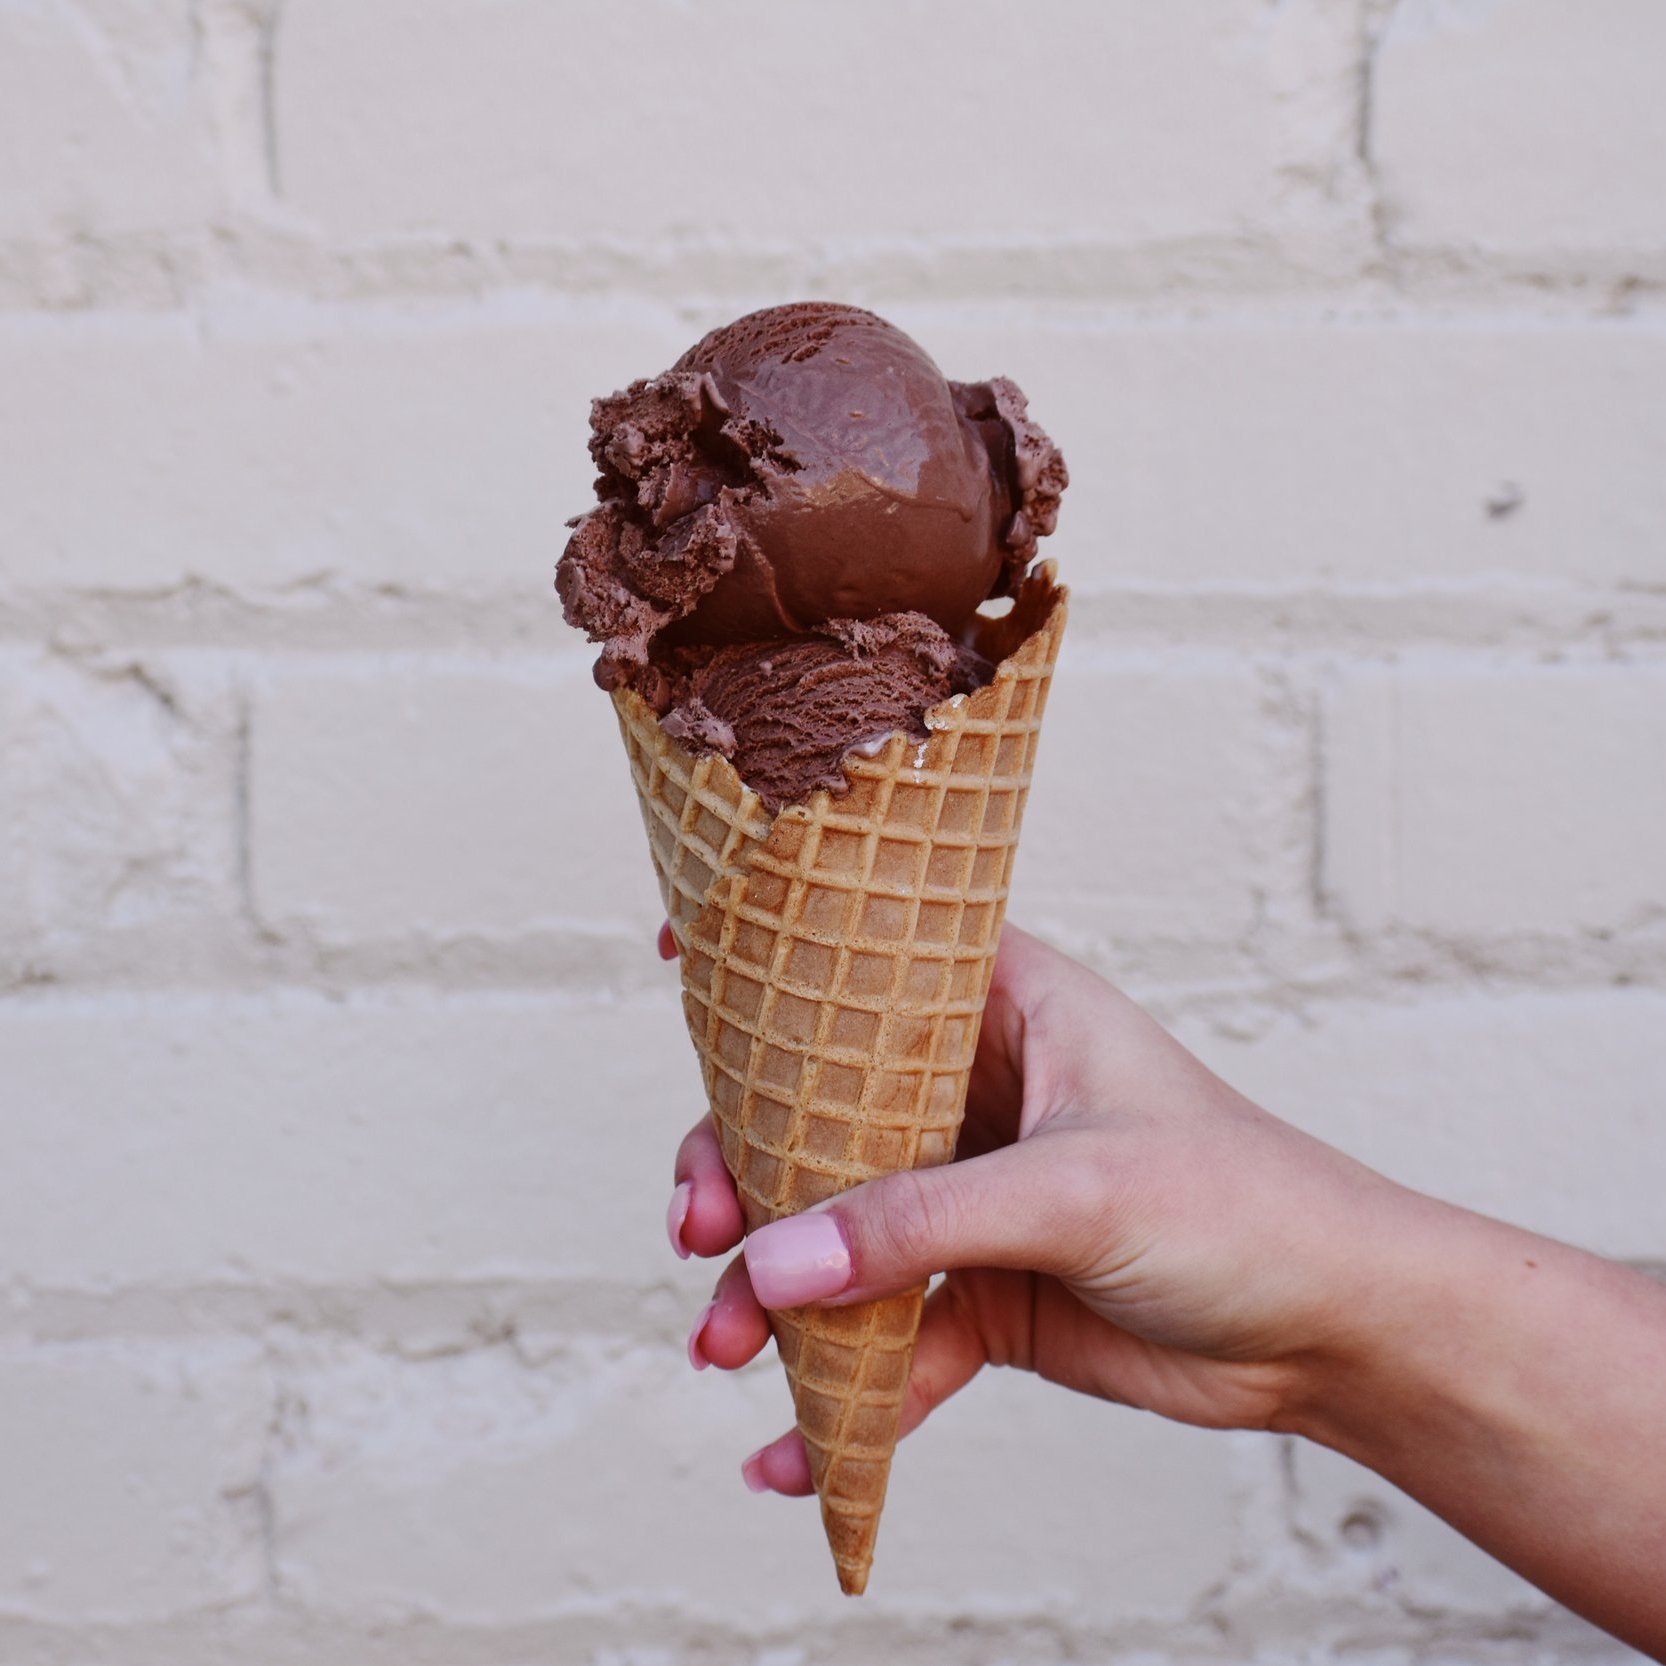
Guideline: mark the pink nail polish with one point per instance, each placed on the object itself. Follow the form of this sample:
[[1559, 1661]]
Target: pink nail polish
[[801, 1259], [676, 1214], [697, 1354], [752, 1473]]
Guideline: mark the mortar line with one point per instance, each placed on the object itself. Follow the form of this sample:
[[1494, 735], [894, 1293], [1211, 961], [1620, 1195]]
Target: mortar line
[[242, 816], [266, 49]]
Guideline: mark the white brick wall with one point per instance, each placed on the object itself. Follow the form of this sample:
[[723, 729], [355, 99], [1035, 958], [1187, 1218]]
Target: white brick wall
[[1190, 731], [427, 799], [338, 1079], [338, 1141], [468, 1489], [273, 445], [1486, 798], [1500, 128], [1542, 1107], [130, 1474], [101, 124], [439, 119]]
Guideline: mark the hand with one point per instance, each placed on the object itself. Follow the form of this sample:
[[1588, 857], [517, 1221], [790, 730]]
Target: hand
[[1122, 1222], [1118, 1220]]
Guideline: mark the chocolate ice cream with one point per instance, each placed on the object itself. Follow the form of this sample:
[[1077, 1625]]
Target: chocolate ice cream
[[797, 523], [786, 713]]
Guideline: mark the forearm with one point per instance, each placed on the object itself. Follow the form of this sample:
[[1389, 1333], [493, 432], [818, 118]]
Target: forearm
[[1517, 1388]]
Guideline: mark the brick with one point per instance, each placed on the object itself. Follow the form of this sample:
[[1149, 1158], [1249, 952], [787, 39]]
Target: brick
[[289, 1137], [1478, 799], [1114, 1513], [445, 799], [478, 1489], [117, 796], [485, 1491], [1378, 1541], [1232, 452], [1499, 127], [1152, 808], [102, 128], [439, 447], [294, 449], [1120, 120], [129, 1473], [1540, 1108]]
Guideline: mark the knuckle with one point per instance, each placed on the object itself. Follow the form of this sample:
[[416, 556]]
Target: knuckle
[[1087, 1201], [914, 1220]]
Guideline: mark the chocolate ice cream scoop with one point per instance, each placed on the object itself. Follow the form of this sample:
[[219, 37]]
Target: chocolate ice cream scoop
[[802, 464], [786, 712]]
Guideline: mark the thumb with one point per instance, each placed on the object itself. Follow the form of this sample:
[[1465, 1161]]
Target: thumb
[[1022, 1206]]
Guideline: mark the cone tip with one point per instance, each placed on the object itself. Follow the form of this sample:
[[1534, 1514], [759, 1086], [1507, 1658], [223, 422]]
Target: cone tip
[[853, 1581]]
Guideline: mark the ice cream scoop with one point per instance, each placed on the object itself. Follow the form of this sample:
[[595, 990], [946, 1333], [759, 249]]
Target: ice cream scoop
[[785, 713], [804, 464]]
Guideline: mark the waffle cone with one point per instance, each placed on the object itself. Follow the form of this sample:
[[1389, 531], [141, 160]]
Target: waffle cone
[[835, 961]]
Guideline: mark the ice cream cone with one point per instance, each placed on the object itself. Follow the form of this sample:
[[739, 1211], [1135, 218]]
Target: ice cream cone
[[835, 961]]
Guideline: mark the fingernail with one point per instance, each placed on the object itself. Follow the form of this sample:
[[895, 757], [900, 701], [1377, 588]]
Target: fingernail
[[676, 1214], [697, 1354], [801, 1259], [752, 1472]]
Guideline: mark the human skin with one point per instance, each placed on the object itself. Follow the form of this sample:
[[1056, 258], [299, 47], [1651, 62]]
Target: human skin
[[1122, 1222]]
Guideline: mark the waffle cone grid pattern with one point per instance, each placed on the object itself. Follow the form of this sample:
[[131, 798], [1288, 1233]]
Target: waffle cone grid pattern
[[835, 960]]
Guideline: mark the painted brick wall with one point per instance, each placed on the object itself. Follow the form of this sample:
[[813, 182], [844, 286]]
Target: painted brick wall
[[338, 1080]]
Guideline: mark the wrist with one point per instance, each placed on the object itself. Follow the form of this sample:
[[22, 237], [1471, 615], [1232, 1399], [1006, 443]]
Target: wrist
[[1404, 1338], [1462, 1332]]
